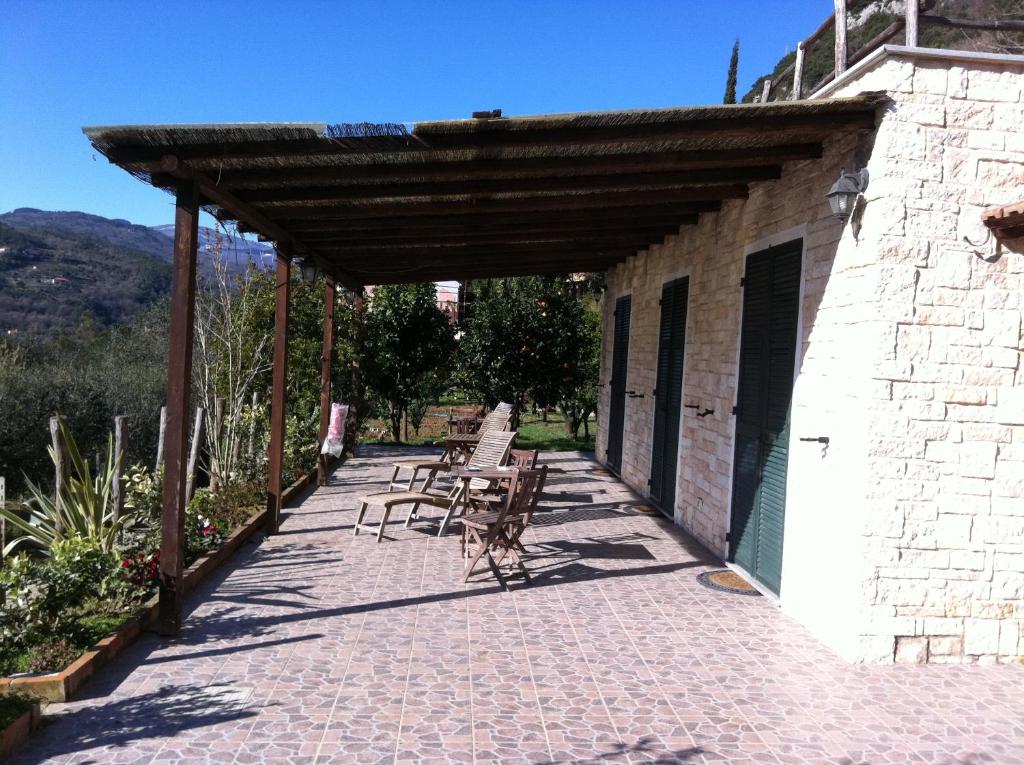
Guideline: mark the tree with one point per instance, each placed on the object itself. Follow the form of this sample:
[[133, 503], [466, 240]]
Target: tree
[[497, 357], [534, 338], [408, 346], [232, 349], [730, 80]]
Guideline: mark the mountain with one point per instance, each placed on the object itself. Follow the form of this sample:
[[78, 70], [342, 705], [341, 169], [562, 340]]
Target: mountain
[[56, 267], [52, 275], [238, 250]]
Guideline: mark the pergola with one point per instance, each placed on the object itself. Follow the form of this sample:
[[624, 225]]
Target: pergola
[[486, 197]]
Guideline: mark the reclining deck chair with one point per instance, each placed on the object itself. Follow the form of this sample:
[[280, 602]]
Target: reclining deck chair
[[496, 420], [496, 533], [458, 446], [491, 452]]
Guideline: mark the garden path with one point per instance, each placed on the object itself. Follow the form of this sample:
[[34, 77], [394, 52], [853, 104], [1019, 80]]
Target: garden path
[[319, 647]]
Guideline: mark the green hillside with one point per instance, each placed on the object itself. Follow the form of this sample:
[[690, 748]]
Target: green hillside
[[52, 277], [871, 18]]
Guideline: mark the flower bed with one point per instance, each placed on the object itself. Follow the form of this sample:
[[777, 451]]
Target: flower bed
[[76, 594], [61, 685], [19, 715]]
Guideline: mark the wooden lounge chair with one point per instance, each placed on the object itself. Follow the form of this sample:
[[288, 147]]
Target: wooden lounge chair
[[496, 533], [492, 451], [458, 446], [496, 420]]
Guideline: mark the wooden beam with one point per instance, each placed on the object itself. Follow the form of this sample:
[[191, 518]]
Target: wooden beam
[[989, 25], [484, 260], [241, 211], [495, 135], [795, 126], [279, 389], [520, 167], [632, 199], [597, 217], [505, 235], [840, 24], [179, 386], [506, 268], [326, 361], [581, 183], [472, 248]]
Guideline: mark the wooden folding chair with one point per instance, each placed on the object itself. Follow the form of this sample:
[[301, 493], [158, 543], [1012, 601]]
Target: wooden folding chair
[[497, 532], [491, 452]]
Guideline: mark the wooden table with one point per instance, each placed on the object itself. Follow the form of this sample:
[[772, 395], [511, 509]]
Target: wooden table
[[466, 474]]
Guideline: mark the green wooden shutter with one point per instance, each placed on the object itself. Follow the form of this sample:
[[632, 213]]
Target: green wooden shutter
[[765, 386], [749, 407], [668, 397], [617, 404]]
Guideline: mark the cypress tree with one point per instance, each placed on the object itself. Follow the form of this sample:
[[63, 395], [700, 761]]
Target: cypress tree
[[730, 81]]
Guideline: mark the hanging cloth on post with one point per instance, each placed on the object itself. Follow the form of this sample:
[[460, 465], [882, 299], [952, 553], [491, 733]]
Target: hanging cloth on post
[[335, 442]]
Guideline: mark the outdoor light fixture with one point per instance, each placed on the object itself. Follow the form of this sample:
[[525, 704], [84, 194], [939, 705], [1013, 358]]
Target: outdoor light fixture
[[843, 195], [307, 268]]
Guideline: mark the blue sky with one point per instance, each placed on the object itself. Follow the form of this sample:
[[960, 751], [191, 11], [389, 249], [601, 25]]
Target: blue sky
[[68, 64]]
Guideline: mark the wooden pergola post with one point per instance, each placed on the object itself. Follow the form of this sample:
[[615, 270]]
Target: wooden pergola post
[[911, 12], [326, 362], [840, 24], [179, 383], [798, 72], [279, 393]]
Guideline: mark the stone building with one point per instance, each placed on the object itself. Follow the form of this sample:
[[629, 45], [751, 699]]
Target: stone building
[[837, 407]]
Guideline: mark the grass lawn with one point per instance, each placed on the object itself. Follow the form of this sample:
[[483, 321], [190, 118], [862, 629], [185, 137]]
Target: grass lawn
[[550, 435]]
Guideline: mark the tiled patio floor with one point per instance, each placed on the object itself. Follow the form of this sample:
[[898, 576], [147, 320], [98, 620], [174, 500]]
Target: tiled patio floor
[[317, 646]]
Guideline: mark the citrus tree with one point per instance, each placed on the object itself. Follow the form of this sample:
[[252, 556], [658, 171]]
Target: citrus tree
[[408, 347]]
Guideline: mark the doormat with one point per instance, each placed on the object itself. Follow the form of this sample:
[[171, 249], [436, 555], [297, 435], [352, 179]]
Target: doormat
[[725, 580], [645, 509]]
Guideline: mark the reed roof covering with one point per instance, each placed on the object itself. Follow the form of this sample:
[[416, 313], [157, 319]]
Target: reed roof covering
[[492, 196]]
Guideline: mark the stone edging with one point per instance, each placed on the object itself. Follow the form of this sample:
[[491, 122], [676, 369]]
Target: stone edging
[[15, 734], [61, 686]]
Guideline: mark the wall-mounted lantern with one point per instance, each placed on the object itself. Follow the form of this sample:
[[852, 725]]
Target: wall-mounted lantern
[[842, 197], [307, 269]]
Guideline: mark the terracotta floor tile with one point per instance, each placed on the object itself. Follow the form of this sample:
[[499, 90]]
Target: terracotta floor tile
[[315, 646]]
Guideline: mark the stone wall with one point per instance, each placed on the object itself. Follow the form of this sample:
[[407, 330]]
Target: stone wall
[[905, 537], [945, 517]]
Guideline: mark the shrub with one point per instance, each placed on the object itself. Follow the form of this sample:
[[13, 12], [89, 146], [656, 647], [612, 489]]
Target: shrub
[[43, 597], [13, 704], [52, 656], [84, 508]]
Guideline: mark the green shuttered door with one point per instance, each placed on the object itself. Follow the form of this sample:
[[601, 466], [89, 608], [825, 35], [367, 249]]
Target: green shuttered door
[[668, 394], [617, 405], [771, 300]]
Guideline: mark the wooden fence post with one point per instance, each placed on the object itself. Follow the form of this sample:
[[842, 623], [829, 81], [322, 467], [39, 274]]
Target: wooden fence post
[[58, 467], [118, 485], [252, 424], [193, 456], [798, 73], [840, 25], [160, 439], [911, 13]]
